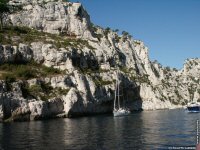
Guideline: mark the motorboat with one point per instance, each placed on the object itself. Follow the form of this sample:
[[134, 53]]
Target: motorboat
[[193, 107]]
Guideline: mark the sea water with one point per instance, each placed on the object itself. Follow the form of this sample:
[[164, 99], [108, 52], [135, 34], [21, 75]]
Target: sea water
[[160, 129]]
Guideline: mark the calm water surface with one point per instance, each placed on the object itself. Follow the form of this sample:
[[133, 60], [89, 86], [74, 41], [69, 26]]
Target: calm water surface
[[145, 130]]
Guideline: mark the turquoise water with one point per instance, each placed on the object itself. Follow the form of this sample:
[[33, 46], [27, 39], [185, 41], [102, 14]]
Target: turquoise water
[[160, 129]]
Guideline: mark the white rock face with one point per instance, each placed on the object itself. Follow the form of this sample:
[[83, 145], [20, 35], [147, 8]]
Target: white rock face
[[90, 70], [70, 100], [13, 53], [53, 17], [41, 109]]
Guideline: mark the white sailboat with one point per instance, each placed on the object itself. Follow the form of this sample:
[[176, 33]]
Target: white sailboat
[[118, 110]]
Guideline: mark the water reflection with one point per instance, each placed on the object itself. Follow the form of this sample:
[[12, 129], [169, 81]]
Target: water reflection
[[167, 128], [32, 135], [145, 130]]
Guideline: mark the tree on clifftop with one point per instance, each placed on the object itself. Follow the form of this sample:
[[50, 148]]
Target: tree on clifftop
[[4, 10]]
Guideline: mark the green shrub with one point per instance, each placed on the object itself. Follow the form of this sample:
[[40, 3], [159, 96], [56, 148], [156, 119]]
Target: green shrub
[[124, 69], [28, 35], [35, 89], [1, 38], [124, 33], [46, 87], [8, 77], [5, 67], [103, 82], [28, 38], [42, 91], [100, 82], [50, 70], [27, 71], [21, 30], [117, 38], [61, 91]]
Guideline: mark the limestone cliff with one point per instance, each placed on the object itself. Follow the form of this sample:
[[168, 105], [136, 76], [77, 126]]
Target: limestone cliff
[[62, 37]]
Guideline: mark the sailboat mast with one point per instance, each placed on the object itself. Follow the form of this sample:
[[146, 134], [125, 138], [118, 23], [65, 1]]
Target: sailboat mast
[[118, 90], [123, 96], [115, 94]]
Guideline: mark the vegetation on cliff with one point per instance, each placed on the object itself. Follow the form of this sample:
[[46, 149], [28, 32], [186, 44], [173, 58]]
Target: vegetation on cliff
[[13, 35], [24, 71]]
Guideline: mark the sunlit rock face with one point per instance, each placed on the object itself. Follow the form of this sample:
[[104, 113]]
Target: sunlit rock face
[[53, 17], [87, 83]]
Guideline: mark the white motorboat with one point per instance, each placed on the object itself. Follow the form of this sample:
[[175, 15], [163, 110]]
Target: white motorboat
[[193, 107]]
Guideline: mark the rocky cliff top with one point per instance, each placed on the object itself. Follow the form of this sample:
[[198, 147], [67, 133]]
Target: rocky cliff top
[[32, 2], [55, 17]]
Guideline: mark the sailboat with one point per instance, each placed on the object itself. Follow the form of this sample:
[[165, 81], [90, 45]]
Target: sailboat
[[118, 110]]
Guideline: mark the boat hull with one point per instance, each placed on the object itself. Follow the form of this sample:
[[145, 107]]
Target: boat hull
[[121, 113], [193, 108]]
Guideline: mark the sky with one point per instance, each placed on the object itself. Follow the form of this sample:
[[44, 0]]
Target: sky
[[169, 28]]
